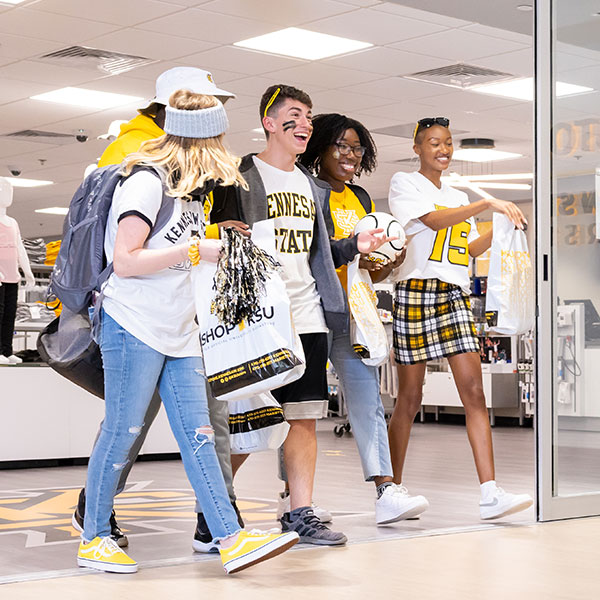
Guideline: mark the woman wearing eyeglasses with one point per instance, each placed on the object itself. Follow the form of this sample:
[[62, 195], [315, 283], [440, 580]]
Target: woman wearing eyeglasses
[[339, 150], [432, 313]]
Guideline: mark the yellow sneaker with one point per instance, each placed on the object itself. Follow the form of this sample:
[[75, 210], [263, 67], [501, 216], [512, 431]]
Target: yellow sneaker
[[104, 554], [253, 547]]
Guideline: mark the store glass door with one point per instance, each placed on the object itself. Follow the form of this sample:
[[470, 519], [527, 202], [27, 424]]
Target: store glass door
[[568, 251]]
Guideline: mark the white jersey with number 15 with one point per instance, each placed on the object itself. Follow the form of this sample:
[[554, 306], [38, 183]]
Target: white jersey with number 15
[[430, 254]]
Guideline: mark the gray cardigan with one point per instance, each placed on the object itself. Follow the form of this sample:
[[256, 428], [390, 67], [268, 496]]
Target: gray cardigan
[[251, 206]]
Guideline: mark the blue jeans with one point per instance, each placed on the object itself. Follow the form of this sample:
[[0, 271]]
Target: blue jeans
[[132, 371], [360, 386]]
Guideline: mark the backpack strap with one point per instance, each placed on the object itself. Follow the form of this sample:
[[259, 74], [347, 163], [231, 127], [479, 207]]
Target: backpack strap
[[362, 196], [162, 218]]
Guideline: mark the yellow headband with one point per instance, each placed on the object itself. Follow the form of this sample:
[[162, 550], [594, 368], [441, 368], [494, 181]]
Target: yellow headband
[[270, 102], [415, 131]]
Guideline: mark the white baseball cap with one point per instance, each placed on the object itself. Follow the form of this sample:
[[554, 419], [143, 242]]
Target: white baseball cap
[[186, 78]]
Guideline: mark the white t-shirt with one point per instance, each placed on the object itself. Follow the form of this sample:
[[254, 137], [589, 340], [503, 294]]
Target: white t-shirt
[[443, 254], [158, 308], [291, 205]]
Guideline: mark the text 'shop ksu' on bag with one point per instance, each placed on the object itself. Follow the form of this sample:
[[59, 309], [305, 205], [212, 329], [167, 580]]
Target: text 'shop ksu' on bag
[[369, 339], [510, 300], [262, 351]]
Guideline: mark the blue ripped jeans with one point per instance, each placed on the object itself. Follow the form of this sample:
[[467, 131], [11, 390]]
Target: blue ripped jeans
[[132, 371]]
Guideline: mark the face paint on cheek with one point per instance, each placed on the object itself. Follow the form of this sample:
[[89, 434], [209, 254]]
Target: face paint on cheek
[[289, 125], [336, 154]]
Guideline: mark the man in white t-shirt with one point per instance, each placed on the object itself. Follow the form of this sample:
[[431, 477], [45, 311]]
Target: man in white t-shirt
[[281, 190]]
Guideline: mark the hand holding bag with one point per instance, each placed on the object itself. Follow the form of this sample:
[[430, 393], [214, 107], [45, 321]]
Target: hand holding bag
[[367, 333], [510, 298]]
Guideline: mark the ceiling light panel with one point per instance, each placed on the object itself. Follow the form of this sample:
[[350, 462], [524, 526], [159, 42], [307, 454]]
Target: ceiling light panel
[[483, 155], [523, 89], [301, 43], [88, 98], [27, 183], [53, 210]]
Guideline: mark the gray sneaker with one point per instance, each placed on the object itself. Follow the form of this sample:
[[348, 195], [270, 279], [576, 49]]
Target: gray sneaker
[[310, 528]]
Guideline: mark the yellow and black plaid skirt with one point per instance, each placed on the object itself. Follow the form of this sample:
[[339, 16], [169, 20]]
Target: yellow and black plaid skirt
[[432, 319]]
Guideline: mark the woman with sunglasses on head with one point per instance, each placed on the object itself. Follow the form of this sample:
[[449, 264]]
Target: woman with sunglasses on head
[[339, 150], [432, 313], [148, 335]]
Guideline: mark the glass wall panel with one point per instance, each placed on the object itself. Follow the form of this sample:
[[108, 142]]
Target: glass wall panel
[[575, 264]]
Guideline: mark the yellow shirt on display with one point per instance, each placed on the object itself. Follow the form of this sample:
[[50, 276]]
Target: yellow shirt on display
[[346, 211]]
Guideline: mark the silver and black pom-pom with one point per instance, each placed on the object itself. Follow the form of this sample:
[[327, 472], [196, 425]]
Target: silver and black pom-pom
[[242, 271]]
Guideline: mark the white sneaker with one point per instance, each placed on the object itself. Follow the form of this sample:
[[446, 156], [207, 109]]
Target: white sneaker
[[283, 506], [396, 504], [502, 504]]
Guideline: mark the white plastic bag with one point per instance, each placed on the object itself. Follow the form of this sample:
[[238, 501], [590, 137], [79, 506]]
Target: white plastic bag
[[259, 354], [510, 298], [256, 424], [367, 333]]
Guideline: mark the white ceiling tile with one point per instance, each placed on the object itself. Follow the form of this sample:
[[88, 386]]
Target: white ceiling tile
[[466, 101], [367, 25], [522, 113], [12, 149], [111, 11], [502, 34], [188, 3], [241, 60], [69, 30], [51, 74], [17, 46], [286, 14], [397, 88], [208, 26], [157, 45], [256, 86], [459, 45], [13, 89], [515, 63], [586, 103], [420, 15], [322, 75], [565, 63], [362, 3], [152, 71], [387, 61], [587, 76], [401, 112], [333, 101]]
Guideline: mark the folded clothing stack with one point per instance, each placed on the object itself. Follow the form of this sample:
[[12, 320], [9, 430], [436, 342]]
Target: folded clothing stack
[[36, 250]]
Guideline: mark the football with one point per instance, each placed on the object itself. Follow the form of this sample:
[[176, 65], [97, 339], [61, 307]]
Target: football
[[391, 227]]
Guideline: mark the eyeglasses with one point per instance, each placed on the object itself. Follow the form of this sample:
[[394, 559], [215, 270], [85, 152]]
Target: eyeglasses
[[345, 149], [430, 122]]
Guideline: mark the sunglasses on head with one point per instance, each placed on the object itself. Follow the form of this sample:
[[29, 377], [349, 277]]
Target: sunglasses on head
[[430, 122]]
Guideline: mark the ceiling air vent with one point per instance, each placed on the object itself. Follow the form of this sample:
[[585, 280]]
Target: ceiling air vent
[[41, 137], [106, 61], [460, 76]]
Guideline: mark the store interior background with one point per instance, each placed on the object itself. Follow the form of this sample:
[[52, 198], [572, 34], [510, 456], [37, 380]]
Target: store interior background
[[370, 85]]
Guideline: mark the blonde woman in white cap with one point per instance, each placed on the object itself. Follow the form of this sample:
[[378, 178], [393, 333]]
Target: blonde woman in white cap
[[146, 126], [148, 336]]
